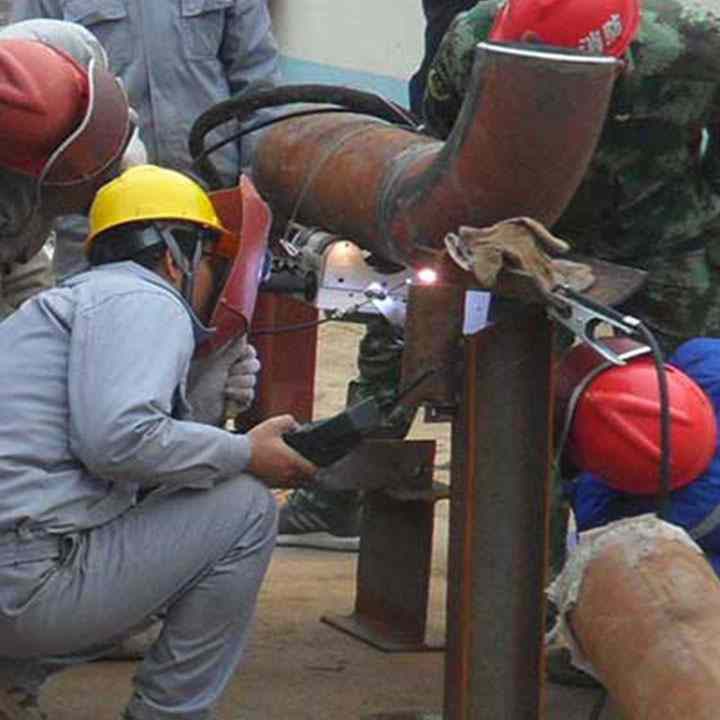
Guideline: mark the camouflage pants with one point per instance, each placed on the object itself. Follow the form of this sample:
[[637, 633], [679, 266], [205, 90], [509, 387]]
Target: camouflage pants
[[379, 369], [380, 365]]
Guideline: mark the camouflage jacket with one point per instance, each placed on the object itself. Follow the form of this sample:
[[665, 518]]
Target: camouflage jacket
[[650, 197]]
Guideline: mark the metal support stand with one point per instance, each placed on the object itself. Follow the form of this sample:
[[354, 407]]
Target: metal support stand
[[499, 523], [393, 575], [499, 497]]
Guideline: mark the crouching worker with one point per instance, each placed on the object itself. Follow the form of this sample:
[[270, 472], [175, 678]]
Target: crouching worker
[[636, 590], [610, 443], [612, 414], [116, 507]]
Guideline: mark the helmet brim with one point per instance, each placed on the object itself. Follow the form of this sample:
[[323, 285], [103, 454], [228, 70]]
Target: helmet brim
[[91, 155]]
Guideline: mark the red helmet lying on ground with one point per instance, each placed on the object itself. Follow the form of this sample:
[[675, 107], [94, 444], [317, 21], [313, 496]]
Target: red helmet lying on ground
[[601, 27], [612, 418], [63, 131]]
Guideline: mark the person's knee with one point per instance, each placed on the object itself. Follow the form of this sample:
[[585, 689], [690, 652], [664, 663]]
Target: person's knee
[[255, 508]]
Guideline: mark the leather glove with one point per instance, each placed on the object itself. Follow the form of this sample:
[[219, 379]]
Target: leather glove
[[518, 244], [228, 374]]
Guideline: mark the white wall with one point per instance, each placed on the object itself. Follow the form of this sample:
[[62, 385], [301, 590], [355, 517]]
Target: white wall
[[382, 38]]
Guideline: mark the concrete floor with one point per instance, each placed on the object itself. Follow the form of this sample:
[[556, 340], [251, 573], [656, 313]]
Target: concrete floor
[[299, 668]]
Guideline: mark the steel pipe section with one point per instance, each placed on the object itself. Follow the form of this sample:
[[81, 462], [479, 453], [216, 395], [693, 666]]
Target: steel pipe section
[[530, 122]]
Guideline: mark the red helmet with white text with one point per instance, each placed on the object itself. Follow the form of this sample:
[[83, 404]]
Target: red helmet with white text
[[600, 27], [612, 418]]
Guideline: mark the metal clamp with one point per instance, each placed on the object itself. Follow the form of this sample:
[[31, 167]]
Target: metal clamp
[[583, 316]]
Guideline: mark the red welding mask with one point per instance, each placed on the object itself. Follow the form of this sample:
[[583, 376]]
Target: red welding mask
[[600, 27], [247, 218], [611, 416]]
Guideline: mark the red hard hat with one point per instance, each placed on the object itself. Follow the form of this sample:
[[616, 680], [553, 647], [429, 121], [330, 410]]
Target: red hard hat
[[64, 126], [43, 95], [612, 418], [601, 27]]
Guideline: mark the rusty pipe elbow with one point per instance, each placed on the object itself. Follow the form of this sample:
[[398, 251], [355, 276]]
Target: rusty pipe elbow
[[529, 123]]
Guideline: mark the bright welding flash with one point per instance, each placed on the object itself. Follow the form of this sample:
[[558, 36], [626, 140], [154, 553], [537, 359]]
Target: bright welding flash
[[427, 276]]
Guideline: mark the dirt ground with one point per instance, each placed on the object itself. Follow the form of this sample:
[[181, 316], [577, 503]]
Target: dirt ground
[[297, 667]]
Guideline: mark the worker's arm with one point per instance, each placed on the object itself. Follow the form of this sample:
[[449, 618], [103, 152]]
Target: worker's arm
[[28, 9], [128, 361], [711, 158], [451, 70], [128, 364], [249, 52], [250, 56]]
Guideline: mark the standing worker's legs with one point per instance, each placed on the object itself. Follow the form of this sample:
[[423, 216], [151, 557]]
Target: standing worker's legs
[[198, 557]]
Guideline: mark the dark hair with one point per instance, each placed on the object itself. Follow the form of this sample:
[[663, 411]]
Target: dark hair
[[138, 241]]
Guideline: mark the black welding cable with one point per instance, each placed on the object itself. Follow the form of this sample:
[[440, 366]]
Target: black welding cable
[[261, 125], [241, 107], [663, 498], [298, 327]]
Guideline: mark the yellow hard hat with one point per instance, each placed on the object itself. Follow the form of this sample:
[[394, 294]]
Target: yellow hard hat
[[148, 192]]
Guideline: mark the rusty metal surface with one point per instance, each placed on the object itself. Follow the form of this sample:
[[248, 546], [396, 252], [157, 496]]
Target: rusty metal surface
[[393, 574], [498, 523], [529, 124], [287, 380], [391, 465], [433, 334], [614, 284], [328, 171], [404, 716]]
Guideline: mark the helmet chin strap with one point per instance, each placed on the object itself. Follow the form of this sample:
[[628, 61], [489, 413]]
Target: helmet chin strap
[[187, 267]]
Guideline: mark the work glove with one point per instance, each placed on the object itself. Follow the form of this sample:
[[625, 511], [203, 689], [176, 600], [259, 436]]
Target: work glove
[[226, 377], [519, 244], [242, 378]]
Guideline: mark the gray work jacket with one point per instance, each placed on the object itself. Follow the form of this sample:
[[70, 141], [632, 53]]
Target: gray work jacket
[[176, 59], [92, 402]]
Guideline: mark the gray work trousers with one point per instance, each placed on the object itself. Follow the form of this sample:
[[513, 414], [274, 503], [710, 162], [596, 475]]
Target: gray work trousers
[[196, 558]]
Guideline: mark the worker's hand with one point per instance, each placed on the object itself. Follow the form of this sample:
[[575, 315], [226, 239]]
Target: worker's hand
[[520, 244], [272, 460], [228, 374]]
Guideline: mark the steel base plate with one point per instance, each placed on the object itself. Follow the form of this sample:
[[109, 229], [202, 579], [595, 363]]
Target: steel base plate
[[404, 716], [378, 636]]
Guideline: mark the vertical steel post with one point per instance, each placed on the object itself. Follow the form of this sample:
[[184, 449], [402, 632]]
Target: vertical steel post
[[498, 522]]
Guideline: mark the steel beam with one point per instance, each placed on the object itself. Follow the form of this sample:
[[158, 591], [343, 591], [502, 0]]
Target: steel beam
[[498, 523], [394, 565]]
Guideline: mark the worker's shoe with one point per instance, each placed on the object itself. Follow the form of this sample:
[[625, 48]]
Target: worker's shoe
[[320, 519], [561, 671], [18, 705]]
